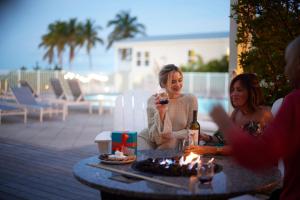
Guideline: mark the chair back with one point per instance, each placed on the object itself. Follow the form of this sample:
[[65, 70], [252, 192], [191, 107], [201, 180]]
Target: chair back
[[57, 88], [24, 83], [24, 96], [130, 111], [75, 89]]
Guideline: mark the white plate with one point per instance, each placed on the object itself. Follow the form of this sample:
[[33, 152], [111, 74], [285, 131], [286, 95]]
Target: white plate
[[117, 162]]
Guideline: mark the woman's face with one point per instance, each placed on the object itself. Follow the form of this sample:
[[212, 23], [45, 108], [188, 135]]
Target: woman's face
[[176, 84], [238, 95]]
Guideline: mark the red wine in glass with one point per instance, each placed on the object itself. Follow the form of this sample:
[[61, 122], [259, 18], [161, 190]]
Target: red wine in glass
[[163, 101]]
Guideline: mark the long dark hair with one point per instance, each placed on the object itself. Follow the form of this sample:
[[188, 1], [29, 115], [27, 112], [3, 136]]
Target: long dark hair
[[251, 83]]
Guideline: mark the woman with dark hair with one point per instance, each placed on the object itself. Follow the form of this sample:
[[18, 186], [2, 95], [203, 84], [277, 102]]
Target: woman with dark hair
[[168, 123], [247, 100]]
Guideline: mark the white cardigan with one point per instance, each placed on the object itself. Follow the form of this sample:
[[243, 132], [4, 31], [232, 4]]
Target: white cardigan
[[177, 119]]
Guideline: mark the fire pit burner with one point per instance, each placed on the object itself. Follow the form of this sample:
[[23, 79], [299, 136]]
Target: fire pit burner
[[169, 167]]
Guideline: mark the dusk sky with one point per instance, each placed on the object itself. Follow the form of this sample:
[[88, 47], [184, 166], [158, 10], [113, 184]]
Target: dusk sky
[[23, 22]]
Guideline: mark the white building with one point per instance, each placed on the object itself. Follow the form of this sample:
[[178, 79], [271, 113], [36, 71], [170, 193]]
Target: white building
[[138, 61]]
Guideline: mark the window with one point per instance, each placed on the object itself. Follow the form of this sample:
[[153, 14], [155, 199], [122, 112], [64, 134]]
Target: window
[[138, 59], [147, 58], [125, 54]]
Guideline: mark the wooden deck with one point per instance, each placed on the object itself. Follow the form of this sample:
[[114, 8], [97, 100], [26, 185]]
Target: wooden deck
[[37, 158]]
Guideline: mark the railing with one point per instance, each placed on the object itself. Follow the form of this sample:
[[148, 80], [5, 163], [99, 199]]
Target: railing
[[213, 85], [38, 80], [201, 84]]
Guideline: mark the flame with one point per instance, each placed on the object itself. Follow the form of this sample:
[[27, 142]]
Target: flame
[[190, 160]]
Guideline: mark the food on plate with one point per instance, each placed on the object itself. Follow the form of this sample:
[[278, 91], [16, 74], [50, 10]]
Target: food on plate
[[118, 156]]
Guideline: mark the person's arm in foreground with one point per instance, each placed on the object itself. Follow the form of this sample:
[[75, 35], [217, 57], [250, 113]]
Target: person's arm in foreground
[[259, 152]]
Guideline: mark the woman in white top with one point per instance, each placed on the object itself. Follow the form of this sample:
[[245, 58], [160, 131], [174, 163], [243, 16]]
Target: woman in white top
[[168, 123]]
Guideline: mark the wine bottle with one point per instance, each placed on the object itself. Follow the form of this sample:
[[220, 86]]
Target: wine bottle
[[194, 130]]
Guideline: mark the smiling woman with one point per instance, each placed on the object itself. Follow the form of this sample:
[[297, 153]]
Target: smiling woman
[[167, 123], [247, 100], [249, 112]]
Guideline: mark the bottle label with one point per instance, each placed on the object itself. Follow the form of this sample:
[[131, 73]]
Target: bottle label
[[193, 137]]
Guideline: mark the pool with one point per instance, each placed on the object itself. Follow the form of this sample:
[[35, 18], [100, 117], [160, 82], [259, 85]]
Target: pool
[[108, 98], [205, 104]]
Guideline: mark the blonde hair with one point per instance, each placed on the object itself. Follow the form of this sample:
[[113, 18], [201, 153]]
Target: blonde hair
[[292, 57], [166, 73]]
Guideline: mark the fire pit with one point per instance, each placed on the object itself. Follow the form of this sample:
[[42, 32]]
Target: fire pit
[[172, 166]]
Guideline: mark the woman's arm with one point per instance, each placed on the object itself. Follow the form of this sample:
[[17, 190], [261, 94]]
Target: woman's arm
[[157, 127]]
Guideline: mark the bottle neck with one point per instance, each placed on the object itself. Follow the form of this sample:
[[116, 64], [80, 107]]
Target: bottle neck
[[195, 116]]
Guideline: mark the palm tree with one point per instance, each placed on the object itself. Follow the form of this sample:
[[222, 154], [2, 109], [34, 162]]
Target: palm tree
[[49, 43], [54, 39], [74, 38], [71, 33], [125, 26], [60, 38], [91, 38]]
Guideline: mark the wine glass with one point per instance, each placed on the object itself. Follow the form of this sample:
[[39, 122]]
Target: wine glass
[[205, 170], [163, 96]]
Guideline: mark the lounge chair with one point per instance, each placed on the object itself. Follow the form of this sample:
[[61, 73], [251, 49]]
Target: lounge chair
[[8, 110], [58, 89], [60, 94], [24, 83], [24, 97]]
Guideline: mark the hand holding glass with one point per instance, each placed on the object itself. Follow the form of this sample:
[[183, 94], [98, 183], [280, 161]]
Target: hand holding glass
[[163, 96]]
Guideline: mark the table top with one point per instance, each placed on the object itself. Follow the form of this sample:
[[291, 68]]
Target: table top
[[232, 181]]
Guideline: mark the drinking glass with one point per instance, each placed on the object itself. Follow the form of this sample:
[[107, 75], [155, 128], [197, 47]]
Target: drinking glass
[[205, 171], [163, 96]]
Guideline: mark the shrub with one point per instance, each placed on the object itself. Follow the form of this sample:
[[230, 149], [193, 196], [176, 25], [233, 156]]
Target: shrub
[[265, 29]]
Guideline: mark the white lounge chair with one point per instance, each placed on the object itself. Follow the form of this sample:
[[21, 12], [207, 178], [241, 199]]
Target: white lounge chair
[[78, 99], [9, 110], [24, 97]]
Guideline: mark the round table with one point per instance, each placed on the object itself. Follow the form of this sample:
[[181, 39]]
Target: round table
[[232, 181]]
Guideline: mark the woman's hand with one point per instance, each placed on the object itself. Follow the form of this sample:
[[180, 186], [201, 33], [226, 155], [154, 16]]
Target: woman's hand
[[221, 118], [162, 108]]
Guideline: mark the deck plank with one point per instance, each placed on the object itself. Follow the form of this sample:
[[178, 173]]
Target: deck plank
[[36, 159], [37, 173]]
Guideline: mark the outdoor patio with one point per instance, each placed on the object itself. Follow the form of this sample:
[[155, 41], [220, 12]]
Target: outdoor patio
[[37, 158]]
